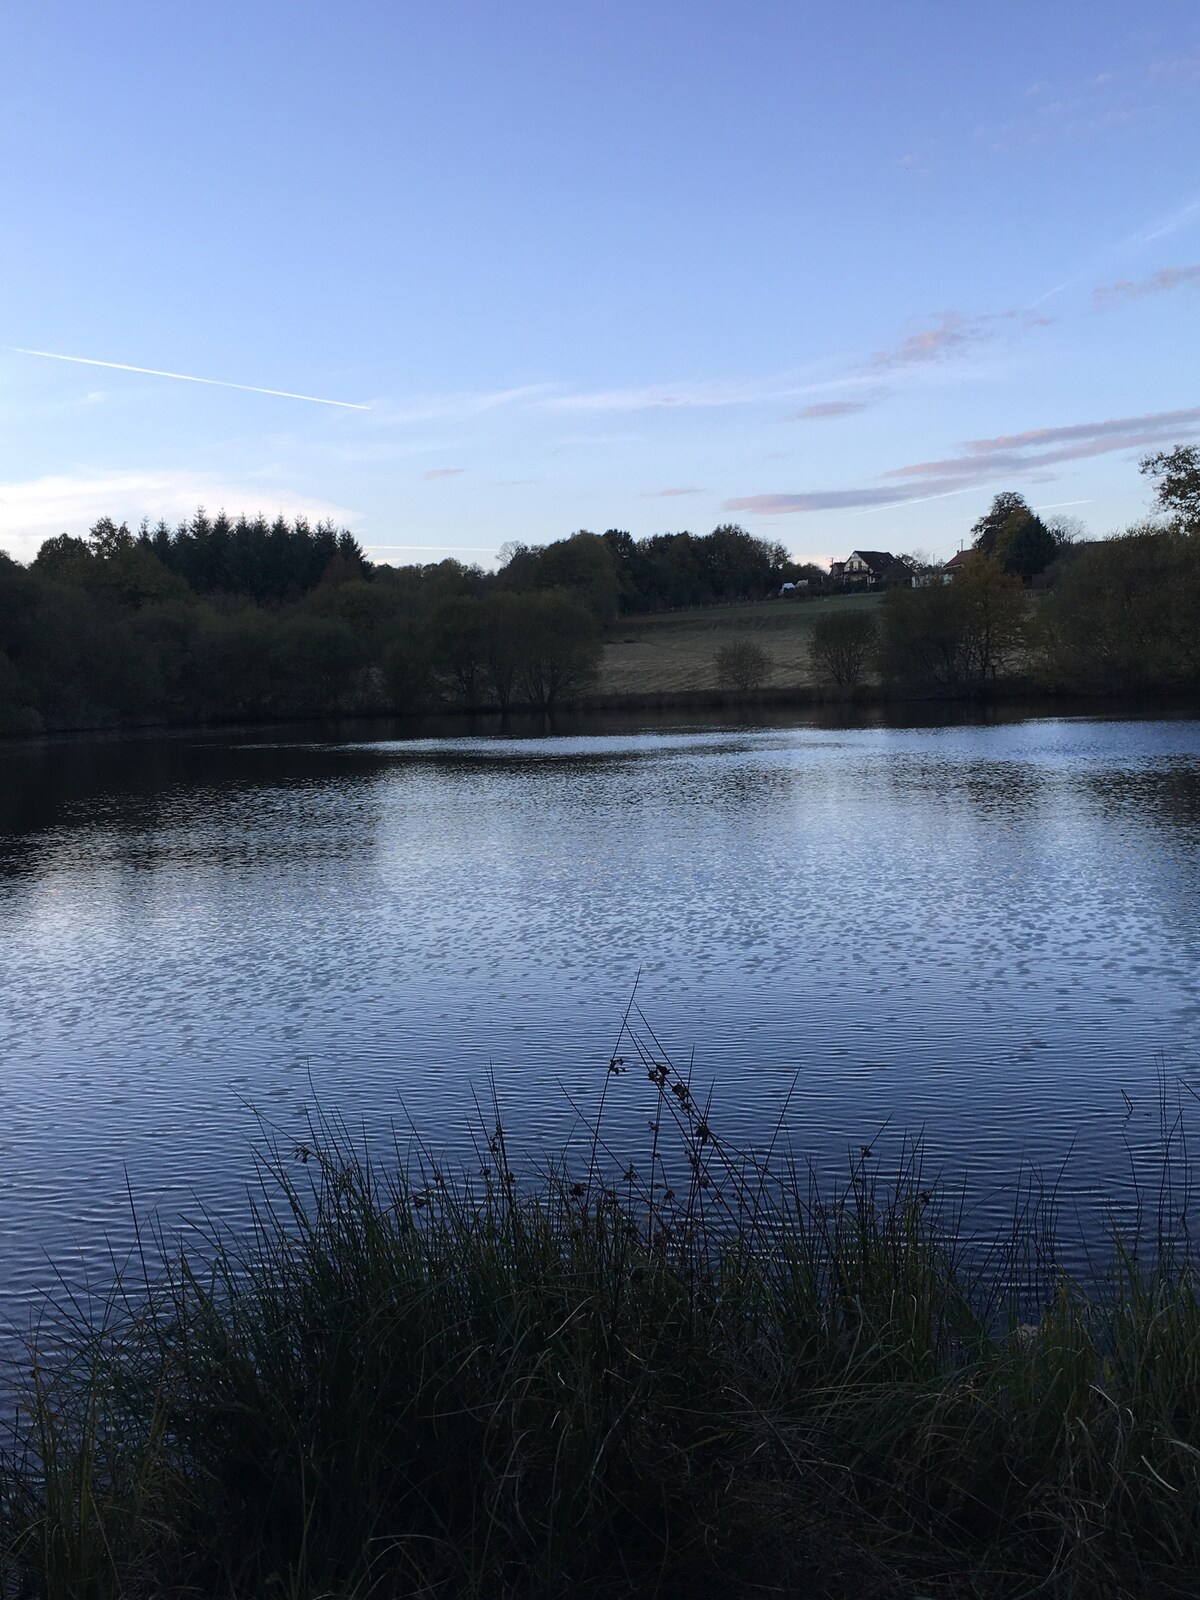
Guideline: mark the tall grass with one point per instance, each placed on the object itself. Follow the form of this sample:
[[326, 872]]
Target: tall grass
[[689, 1372]]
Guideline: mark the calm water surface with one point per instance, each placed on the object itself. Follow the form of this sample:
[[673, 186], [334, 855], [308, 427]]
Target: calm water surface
[[988, 933]]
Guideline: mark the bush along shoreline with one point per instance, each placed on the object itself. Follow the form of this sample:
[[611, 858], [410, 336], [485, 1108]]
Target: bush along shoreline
[[680, 1372]]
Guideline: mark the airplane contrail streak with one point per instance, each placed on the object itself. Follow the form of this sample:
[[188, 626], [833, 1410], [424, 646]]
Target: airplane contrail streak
[[187, 377], [865, 511]]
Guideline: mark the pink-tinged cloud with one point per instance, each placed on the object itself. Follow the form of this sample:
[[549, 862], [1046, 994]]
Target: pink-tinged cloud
[[1037, 437], [954, 334], [1110, 295], [777, 505], [1026, 454], [828, 408], [666, 494], [442, 472], [980, 469]]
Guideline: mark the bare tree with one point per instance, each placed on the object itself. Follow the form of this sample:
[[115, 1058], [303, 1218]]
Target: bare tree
[[843, 642], [743, 665]]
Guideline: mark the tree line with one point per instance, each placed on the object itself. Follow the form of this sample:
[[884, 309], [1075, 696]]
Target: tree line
[[221, 618], [1121, 614], [243, 618]]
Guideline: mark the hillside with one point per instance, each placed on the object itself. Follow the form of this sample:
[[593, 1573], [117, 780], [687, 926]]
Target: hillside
[[668, 651]]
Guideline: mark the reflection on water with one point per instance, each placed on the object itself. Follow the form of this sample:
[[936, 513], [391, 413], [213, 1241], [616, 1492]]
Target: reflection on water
[[987, 933]]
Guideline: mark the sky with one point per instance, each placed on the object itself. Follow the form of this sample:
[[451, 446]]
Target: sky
[[839, 273]]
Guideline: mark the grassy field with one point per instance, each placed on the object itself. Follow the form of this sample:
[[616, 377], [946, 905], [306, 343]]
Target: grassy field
[[675, 650]]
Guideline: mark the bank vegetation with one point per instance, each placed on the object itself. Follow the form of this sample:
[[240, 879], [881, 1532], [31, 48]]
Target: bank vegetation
[[674, 1371]]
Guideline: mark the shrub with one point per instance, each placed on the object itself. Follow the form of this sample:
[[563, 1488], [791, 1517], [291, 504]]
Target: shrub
[[742, 665], [842, 645]]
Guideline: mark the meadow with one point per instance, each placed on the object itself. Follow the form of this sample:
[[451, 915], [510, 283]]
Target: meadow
[[673, 651]]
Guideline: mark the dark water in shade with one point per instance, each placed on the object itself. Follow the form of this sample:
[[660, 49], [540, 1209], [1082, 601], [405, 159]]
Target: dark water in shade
[[988, 933]]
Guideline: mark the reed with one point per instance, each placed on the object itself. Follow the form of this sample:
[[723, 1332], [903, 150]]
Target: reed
[[687, 1372]]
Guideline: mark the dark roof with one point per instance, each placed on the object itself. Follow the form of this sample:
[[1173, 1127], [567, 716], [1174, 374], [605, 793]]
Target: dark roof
[[957, 561], [876, 558]]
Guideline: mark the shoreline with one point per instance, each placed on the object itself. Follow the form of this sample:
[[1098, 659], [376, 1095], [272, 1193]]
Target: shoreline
[[426, 1383], [1008, 701]]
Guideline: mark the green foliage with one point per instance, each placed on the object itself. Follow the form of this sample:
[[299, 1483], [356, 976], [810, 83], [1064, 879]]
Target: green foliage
[[1125, 615], [963, 633], [561, 647], [741, 664], [65, 558], [1015, 536], [221, 618], [17, 715], [843, 644], [315, 661], [458, 647], [1176, 476], [583, 564], [617, 572], [406, 672], [504, 641], [1026, 546]]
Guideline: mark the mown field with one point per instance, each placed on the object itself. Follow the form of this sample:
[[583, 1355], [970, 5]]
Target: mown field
[[676, 650]]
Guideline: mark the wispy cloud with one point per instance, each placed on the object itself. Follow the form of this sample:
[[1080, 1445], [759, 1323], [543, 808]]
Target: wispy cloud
[[982, 461], [1169, 224], [1154, 421], [829, 408], [774, 505], [1109, 295], [831, 388], [456, 407], [1088, 107], [187, 377], [1183, 68], [442, 472], [1161, 228], [666, 494], [35, 508], [691, 395], [954, 334], [1044, 447]]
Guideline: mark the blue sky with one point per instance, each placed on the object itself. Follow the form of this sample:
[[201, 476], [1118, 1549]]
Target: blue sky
[[839, 273]]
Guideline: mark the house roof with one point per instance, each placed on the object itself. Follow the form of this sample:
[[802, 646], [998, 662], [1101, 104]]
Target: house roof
[[876, 559], [956, 561]]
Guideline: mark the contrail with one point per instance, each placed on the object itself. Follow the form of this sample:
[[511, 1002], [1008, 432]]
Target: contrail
[[187, 377], [865, 511]]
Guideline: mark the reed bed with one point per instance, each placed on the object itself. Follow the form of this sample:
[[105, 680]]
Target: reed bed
[[681, 1373]]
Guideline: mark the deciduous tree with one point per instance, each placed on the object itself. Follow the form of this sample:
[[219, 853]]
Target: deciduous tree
[[1176, 476], [561, 647], [961, 633], [743, 665], [843, 643]]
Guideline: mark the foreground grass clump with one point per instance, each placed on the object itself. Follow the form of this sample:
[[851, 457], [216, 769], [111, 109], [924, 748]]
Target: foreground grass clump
[[690, 1376]]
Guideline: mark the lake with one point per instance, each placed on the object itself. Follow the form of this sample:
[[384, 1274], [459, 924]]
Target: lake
[[987, 934]]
